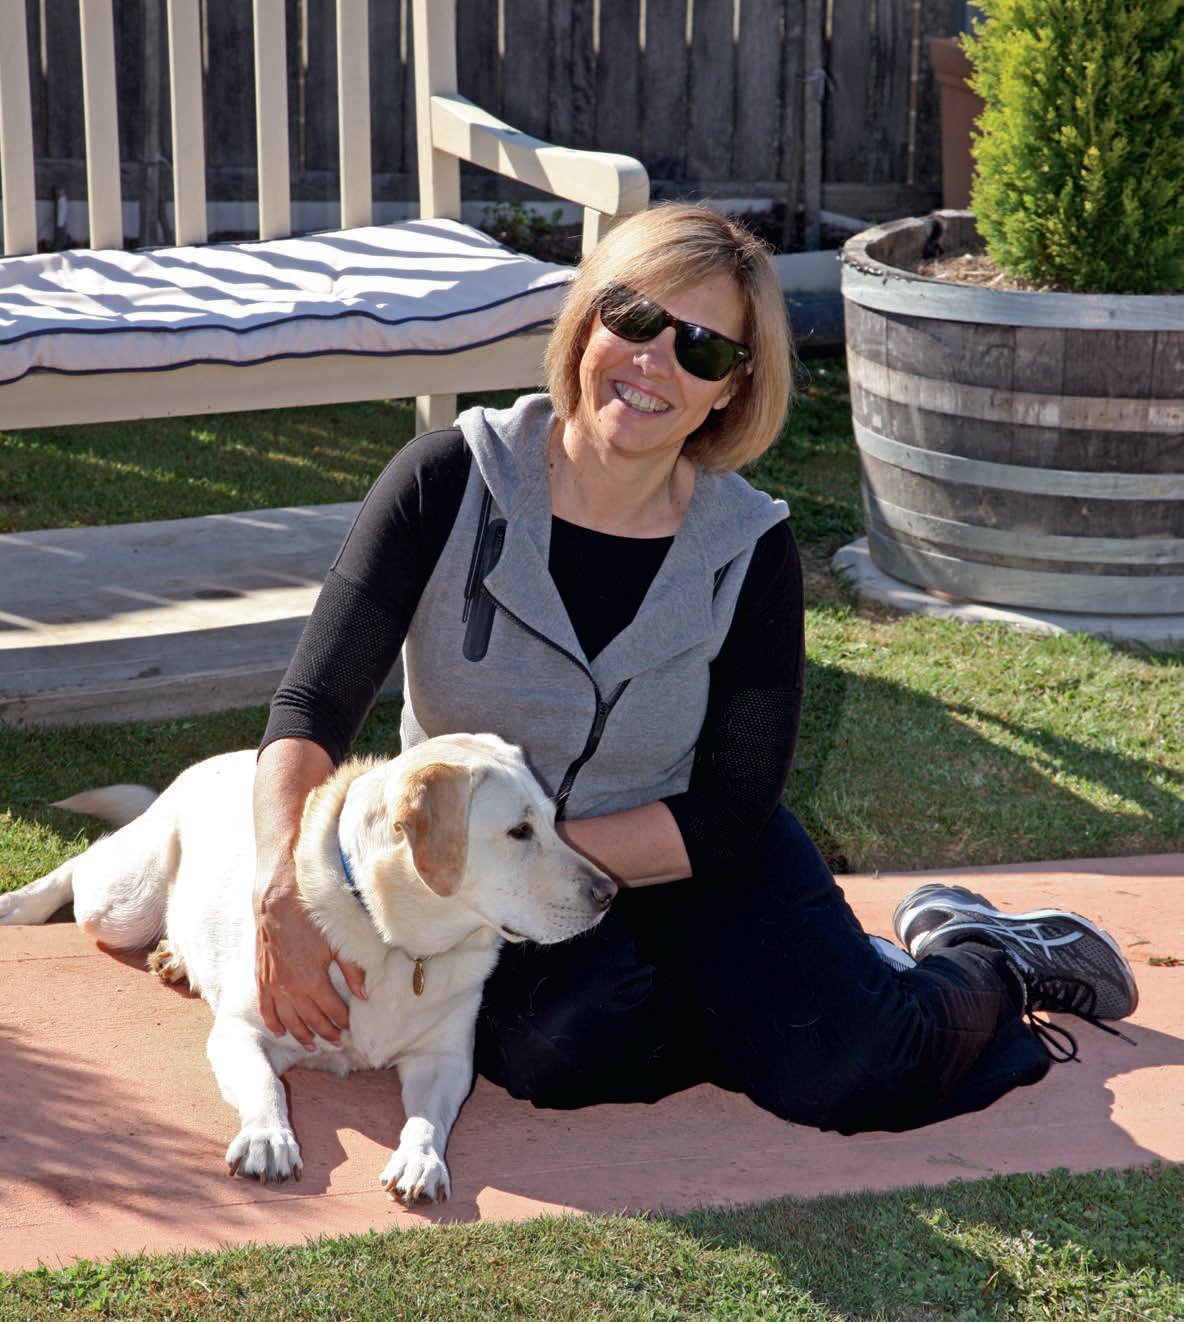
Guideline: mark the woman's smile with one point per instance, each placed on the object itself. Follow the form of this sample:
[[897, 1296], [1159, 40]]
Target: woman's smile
[[643, 401]]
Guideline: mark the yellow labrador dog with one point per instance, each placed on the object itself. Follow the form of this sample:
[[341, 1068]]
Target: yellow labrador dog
[[416, 869]]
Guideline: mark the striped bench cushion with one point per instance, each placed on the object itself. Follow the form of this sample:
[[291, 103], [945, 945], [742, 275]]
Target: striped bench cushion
[[418, 287]]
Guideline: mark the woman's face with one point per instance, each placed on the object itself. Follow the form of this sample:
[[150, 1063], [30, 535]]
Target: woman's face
[[635, 398]]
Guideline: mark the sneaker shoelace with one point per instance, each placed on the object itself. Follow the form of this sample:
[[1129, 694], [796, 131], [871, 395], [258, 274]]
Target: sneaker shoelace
[[1075, 998]]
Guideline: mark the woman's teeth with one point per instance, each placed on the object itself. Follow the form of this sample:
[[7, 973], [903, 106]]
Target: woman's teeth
[[636, 400]]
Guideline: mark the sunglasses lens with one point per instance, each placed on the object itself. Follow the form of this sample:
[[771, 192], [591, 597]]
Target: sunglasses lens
[[702, 352], [633, 319]]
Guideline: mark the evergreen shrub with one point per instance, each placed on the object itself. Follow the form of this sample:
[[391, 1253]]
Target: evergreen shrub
[[1078, 156]]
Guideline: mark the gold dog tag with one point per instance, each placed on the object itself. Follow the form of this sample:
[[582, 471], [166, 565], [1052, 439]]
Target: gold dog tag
[[418, 976]]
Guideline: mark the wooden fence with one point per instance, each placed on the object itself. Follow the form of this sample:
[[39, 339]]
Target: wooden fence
[[827, 104]]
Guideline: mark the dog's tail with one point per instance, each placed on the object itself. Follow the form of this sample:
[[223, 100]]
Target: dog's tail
[[117, 805]]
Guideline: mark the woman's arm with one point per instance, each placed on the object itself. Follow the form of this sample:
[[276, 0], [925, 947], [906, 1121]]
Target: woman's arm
[[635, 847]]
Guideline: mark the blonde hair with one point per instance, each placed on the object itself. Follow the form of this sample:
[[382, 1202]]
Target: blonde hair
[[662, 252]]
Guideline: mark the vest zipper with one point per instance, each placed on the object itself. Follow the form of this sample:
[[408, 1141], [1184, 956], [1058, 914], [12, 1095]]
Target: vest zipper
[[605, 706], [600, 717]]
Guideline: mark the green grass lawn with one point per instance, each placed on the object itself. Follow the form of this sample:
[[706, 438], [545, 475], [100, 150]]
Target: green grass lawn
[[924, 743]]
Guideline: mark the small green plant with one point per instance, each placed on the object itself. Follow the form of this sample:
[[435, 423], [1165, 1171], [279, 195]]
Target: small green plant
[[512, 224], [1078, 159]]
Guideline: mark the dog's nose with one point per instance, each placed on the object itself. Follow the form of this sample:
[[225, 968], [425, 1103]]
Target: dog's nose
[[603, 890]]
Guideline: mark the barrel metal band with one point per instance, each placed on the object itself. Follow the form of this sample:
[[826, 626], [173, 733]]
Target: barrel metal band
[[892, 290], [1034, 546], [1020, 477], [1020, 408], [1129, 595]]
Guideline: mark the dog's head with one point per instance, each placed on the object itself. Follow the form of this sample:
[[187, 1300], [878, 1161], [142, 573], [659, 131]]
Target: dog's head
[[480, 829]]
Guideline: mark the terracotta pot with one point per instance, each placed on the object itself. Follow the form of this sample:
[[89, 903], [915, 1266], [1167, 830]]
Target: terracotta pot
[[958, 108]]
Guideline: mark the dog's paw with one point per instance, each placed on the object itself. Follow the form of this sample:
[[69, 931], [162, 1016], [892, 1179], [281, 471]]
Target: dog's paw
[[416, 1174], [14, 909], [167, 964], [267, 1153]]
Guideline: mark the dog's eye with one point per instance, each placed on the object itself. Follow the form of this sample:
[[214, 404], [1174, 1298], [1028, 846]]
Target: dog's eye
[[521, 832]]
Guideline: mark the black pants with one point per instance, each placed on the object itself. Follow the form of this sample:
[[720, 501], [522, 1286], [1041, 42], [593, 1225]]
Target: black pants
[[760, 981]]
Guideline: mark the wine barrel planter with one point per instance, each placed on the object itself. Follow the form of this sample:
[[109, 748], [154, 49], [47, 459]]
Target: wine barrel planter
[[1016, 448]]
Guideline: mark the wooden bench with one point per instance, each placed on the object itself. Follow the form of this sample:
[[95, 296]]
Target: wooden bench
[[419, 308]]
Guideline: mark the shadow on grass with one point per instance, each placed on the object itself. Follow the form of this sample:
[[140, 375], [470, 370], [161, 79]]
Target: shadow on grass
[[888, 778], [1025, 1246]]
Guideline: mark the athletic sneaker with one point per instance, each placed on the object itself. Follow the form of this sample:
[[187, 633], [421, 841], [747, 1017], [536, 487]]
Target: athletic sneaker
[[1063, 962]]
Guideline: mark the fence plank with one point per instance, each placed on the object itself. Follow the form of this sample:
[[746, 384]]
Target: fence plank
[[477, 53], [619, 76], [758, 121], [848, 56], [889, 101], [662, 143], [790, 167], [578, 83], [62, 49], [313, 81], [814, 87], [935, 20], [230, 103], [525, 65], [713, 73]]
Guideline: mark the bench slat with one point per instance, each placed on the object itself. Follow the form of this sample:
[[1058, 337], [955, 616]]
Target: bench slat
[[17, 193], [189, 142], [271, 119], [104, 205], [354, 113], [435, 74]]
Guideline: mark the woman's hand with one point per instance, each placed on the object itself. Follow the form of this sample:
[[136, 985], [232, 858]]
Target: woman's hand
[[292, 958], [292, 961]]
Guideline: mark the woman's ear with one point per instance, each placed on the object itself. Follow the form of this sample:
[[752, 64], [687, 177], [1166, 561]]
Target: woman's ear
[[731, 390]]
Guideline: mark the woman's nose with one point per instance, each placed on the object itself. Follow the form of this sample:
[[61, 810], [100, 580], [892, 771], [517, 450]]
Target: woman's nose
[[658, 354]]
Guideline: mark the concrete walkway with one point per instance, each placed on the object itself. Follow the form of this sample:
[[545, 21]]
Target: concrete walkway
[[162, 619], [113, 1130]]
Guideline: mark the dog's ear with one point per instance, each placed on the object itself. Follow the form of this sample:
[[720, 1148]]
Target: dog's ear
[[433, 814]]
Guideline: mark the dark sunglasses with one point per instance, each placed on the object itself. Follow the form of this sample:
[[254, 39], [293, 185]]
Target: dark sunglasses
[[699, 350]]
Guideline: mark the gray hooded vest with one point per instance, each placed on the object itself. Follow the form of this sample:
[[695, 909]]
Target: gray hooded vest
[[604, 735]]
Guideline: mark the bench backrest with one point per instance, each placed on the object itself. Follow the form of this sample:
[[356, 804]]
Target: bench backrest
[[436, 65]]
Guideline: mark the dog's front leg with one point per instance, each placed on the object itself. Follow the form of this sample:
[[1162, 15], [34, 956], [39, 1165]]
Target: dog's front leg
[[265, 1146], [434, 1087]]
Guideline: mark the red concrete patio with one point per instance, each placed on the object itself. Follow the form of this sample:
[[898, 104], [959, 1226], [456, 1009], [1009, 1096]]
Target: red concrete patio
[[112, 1130]]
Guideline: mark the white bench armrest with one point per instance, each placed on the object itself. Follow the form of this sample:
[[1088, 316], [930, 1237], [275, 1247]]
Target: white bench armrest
[[604, 181]]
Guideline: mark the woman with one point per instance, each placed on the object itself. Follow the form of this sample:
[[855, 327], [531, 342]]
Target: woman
[[586, 574]]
